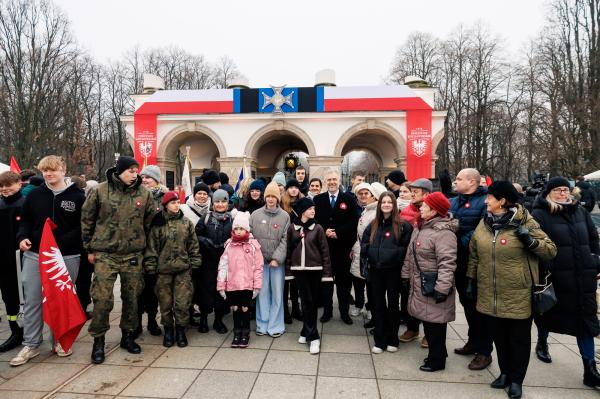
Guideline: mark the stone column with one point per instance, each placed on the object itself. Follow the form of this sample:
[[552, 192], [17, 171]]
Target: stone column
[[232, 166], [321, 164], [166, 165]]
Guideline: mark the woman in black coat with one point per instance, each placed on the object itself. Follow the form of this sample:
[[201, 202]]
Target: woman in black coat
[[574, 271]]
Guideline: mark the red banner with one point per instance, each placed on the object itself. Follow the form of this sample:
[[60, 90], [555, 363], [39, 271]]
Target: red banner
[[145, 142], [418, 144], [14, 166]]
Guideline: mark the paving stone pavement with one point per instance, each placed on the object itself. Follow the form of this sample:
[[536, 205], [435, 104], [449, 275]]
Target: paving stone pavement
[[277, 368]]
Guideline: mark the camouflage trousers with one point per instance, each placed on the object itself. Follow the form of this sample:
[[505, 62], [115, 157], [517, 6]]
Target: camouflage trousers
[[174, 292], [106, 270]]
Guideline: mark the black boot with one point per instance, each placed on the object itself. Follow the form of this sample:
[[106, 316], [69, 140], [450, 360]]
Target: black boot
[[15, 339], [218, 324], [128, 342], [591, 378], [515, 391], [203, 327], [541, 351], [153, 327], [245, 335], [501, 382], [98, 350], [168, 337], [180, 337], [193, 316]]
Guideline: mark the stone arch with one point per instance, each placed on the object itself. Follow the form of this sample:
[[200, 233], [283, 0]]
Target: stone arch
[[190, 128], [436, 140], [263, 134], [380, 128]]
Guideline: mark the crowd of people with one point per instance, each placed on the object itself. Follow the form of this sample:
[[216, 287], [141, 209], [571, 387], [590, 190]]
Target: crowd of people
[[399, 253]]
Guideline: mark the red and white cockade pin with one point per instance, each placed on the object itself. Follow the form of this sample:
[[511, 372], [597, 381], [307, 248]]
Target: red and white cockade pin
[[247, 251], [157, 209], [387, 234], [138, 204], [503, 241], [343, 206], [275, 225], [418, 243], [467, 205], [302, 235], [18, 218]]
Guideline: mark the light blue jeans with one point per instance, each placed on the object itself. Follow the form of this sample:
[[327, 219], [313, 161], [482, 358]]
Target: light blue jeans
[[269, 303]]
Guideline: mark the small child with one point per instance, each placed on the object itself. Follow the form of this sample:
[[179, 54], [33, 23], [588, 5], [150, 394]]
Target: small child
[[172, 251], [309, 264], [239, 277]]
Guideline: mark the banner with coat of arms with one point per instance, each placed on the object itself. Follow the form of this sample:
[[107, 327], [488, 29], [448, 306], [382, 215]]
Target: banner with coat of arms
[[418, 144]]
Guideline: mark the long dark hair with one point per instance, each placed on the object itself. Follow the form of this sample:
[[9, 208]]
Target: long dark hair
[[396, 222]]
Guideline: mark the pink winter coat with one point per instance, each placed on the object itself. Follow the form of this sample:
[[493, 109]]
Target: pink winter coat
[[241, 266]]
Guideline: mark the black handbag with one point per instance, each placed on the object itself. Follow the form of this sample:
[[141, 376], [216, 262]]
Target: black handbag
[[428, 279], [365, 268], [544, 296]]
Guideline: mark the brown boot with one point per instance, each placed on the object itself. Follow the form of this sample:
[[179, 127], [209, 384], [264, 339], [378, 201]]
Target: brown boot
[[424, 343], [480, 362], [409, 336], [468, 349]]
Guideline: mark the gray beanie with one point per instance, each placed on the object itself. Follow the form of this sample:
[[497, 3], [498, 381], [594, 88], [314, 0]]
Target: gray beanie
[[152, 171], [220, 195], [279, 178], [424, 184]]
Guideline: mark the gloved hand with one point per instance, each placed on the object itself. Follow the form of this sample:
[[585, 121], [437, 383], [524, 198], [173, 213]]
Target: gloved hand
[[439, 297], [471, 290], [525, 237], [405, 282], [255, 293], [222, 293]]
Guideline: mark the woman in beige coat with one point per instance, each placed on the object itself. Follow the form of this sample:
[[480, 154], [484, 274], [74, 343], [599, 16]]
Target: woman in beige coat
[[433, 249]]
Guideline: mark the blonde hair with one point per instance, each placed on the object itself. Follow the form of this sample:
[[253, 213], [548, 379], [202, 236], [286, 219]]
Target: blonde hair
[[244, 187], [555, 207], [287, 202], [51, 162]]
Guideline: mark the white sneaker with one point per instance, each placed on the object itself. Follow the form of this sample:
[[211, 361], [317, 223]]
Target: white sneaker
[[60, 352], [25, 355], [315, 346], [369, 315], [392, 348], [376, 350], [355, 312], [302, 340]]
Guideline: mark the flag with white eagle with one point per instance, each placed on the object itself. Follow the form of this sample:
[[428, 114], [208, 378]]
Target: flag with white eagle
[[61, 308]]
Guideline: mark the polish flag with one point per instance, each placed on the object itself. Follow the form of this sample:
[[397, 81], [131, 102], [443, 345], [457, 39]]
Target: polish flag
[[61, 308], [14, 166]]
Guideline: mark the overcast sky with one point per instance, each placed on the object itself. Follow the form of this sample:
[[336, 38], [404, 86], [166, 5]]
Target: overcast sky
[[286, 42]]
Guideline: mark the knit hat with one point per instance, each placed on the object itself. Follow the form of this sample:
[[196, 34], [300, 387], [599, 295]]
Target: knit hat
[[273, 190], [302, 205], [397, 177], [363, 186], [210, 177], [168, 197], [201, 187], [279, 178], [424, 184], [257, 185], [504, 189], [152, 171], [220, 195], [377, 189], [242, 219], [223, 178], [438, 202], [555, 182], [292, 183], [124, 163]]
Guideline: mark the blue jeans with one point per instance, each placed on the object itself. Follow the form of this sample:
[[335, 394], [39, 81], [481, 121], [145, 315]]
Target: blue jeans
[[269, 303], [584, 342]]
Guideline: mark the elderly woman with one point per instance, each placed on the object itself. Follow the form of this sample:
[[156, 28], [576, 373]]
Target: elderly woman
[[433, 250], [503, 259], [573, 273]]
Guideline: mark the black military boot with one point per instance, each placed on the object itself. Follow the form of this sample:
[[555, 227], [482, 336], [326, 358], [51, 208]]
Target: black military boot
[[591, 378], [15, 339], [153, 327], [218, 324], [98, 350], [128, 342], [541, 350], [203, 327], [168, 339], [180, 337]]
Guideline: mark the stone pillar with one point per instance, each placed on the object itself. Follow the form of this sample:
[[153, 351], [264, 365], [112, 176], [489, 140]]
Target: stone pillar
[[166, 165], [320, 164], [383, 172], [232, 166]]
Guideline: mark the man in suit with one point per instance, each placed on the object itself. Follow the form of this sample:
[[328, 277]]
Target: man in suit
[[336, 212]]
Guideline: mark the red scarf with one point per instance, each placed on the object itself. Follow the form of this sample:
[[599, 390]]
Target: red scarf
[[236, 238]]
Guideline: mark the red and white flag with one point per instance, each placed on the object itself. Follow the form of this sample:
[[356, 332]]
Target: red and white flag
[[61, 308], [14, 166]]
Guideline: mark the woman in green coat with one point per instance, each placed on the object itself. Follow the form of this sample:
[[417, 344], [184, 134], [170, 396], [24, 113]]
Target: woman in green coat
[[503, 264]]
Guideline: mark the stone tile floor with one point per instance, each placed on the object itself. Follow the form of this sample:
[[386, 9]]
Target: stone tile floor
[[277, 368]]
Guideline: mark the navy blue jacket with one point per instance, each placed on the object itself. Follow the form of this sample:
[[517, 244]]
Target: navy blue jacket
[[468, 209]]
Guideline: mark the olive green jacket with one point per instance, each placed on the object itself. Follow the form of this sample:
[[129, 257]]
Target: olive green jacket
[[172, 245], [504, 268], [115, 218]]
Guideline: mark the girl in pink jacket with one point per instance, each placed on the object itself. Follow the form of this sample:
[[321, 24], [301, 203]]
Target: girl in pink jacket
[[239, 277]]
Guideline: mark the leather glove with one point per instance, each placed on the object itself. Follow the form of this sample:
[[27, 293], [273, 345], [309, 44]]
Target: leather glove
[[222, 293], [405, 282], [525, 237], [439, 297], [471, 290], [255, 293]]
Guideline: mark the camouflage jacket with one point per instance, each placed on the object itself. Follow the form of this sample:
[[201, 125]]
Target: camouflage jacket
[[158, 193], [172, 245], [115, 217]]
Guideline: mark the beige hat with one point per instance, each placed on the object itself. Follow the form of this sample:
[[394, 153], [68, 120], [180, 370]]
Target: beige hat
[[377, 189], [273, 190]]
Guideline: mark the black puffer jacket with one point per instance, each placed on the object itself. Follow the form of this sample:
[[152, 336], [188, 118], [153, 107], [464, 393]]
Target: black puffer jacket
[[573, 269], [385, 252], [213, 230]]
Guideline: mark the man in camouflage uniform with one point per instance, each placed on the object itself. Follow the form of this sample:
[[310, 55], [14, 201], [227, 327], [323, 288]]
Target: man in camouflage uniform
[[171, 253], [114, 221]]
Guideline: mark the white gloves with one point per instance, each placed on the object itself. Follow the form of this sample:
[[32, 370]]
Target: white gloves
[[222, 293], [255, 293]]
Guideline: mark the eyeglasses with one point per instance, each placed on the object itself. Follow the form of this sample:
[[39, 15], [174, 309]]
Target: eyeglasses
[[561, 190]]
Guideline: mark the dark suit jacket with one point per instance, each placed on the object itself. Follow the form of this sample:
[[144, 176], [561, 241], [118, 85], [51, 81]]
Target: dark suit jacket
[[342, 217]]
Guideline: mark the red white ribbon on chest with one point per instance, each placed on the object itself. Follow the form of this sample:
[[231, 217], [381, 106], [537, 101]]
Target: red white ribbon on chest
[[387, 234], [467, 205], [138, 204], [275, 225], [418, 243], [343, 206], [503, 241], [18, 218]]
